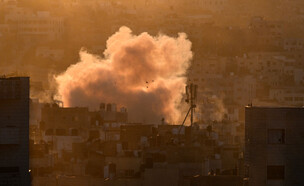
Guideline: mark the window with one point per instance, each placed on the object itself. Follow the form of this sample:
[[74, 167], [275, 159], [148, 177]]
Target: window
[[60, 132], [288, 98], [275, 172], [276, 136], [74, 118], [129, 172], [49, 132], [125, 145], [94, 134], [74, 132]]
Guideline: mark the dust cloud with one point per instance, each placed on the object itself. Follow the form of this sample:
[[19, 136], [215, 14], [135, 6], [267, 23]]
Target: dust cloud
[[144, 73]]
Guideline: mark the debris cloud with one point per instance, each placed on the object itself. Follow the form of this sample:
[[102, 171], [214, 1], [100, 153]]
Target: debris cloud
[[146, 74]]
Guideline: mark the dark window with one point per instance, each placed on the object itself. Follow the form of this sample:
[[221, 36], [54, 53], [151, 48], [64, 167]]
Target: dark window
[[74, 132], [74, 118], [276, 136], [129, 172], [60, 132], [288, 98], [275, 172], [112, 168], [235, 155], [49, 132], [94, 134], [125, 145], [246, 171]]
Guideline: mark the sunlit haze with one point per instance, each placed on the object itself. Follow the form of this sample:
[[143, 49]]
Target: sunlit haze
[[151, 92]]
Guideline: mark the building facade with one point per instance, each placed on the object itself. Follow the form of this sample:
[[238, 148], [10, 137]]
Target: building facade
[[14, 131], [274, 146]]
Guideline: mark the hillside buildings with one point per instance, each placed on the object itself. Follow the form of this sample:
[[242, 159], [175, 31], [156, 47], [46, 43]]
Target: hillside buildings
[[29, 24]]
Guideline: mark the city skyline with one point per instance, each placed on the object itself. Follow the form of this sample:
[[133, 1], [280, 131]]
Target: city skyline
[[151, 92]]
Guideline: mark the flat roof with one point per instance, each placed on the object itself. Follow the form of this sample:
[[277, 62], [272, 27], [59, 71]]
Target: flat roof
[[12, 78]]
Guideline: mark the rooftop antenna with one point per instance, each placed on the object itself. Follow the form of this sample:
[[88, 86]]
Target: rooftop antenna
[[191, 94]]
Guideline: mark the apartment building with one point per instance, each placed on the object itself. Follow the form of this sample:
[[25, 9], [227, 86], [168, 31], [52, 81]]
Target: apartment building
[[14, 131], [273, 146]]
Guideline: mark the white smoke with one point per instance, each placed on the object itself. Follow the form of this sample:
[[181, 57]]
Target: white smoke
[[144, 73]]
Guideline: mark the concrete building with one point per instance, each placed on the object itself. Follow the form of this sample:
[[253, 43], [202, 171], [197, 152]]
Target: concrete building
[[14, 131], [273, 146], [54, 116], [125, 166]]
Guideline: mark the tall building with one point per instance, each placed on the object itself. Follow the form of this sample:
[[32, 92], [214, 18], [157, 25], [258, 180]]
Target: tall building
[[274, 147], [14, 131]]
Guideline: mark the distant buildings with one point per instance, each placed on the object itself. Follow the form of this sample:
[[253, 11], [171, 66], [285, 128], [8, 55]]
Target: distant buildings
[[213, 5], [274, 146], [240, 59], [100, 145], [27, 23], [63, 126], [293, 44], [267, 32], [288, 95], [14, 131], [49, 53]]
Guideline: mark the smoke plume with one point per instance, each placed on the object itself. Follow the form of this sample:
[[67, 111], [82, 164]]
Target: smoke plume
[[146, 74], [212, 108]]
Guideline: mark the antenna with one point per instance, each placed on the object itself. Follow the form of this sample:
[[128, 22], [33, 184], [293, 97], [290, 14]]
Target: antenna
[[193, 89], [191, 94], [191, 97]]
